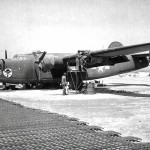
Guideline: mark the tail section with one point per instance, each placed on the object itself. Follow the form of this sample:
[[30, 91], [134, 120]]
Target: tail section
[[115, 44]]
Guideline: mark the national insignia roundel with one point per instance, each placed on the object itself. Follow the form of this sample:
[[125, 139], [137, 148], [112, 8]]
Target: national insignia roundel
[[7, 72]]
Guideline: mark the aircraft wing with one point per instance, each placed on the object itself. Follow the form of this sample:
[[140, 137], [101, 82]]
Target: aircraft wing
[[120, 51], [141, 55], [109, 56], [114, 52]]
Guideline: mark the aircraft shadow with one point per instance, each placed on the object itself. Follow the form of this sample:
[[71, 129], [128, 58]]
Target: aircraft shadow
[[125, 84], [120, 92]]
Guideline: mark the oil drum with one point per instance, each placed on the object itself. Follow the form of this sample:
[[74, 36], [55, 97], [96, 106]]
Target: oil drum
[[91, 88]]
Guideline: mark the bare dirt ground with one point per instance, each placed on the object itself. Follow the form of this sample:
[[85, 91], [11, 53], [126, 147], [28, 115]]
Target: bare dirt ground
[[123, 105]]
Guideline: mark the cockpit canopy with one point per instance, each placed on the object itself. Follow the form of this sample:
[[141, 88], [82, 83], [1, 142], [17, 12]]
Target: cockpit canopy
[[26, 56]]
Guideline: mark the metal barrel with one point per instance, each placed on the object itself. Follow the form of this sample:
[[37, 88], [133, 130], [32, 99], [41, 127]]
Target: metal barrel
[[90, 88]]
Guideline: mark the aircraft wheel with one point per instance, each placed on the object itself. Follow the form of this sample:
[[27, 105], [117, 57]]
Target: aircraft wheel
[[28, 86], [5, 87], [12, 87], [32, 86], [25, 86]]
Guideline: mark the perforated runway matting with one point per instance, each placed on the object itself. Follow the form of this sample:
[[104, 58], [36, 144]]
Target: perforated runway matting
[[24, 128]]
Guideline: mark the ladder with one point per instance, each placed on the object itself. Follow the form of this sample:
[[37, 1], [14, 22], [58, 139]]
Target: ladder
[[75, 78]]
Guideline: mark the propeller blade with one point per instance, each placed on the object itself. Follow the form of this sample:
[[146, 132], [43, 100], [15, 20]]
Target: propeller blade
[[5, 54], [149, 56], [42, 56], [3, 64], [38, 60]]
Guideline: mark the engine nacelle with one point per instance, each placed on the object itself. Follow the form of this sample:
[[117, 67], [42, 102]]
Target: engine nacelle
[[50, 61]]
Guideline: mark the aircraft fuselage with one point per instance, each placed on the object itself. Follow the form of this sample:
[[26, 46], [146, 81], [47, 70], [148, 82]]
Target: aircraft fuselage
[[28, 72], [134, 63]]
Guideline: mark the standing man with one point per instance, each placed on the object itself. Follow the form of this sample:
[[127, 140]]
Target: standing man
[[78, 60], [81, 60], [64, 83]]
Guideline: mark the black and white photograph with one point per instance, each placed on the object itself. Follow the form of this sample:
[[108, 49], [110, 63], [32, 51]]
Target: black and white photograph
[[74, 75]]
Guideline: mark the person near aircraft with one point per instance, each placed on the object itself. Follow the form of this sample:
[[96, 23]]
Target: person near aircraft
[[64, 83], [80, 60], [83, 62]]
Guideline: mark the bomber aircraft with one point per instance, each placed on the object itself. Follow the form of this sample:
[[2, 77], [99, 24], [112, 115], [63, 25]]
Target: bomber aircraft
[[41, 68]]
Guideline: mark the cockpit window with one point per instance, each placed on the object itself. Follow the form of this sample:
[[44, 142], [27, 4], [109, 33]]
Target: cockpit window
[[22, 57]]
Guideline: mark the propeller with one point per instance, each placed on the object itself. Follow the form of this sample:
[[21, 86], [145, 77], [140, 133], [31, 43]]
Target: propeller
[[3, 64], [5, 54], [39, 60], [4, 60], [42, 57], [149, 56]]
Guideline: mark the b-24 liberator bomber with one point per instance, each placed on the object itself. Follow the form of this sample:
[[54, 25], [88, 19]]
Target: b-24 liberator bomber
[[41, 68]]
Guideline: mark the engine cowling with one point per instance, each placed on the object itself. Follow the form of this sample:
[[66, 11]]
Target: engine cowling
[[50, 61]]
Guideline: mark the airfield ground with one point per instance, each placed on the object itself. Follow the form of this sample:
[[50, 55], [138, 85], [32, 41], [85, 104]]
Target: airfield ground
[[123, 105]]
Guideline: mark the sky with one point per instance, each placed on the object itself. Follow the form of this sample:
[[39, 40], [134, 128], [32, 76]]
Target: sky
[[59, 26]]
